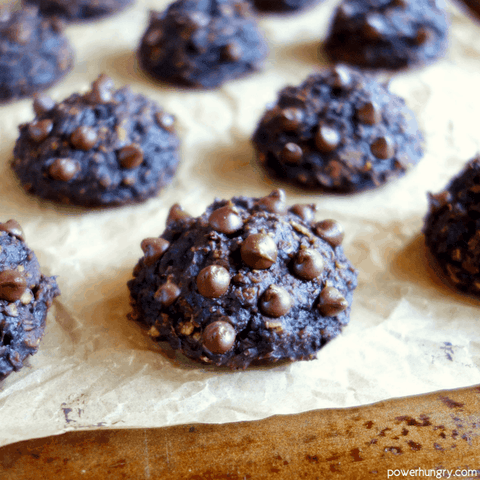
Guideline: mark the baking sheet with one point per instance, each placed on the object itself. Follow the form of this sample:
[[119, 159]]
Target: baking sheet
[[409, 333]]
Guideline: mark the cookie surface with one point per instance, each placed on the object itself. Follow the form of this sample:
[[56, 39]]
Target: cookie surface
[[25, 296], [249, 280], [390, 34], [79, 10], [284, 6], [202, 44], [452, 227], [102, 148], [339, 130], [34, 53]]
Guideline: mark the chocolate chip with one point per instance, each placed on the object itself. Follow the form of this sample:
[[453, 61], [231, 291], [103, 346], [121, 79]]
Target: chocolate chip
[[290, 118], [167, 293], [13, 228], [259, 251], [331, 302], [327, 138], [275, 302], [330, 231], [213, 281], [225, 220], [232, 52], [153, 249], [176, 213], [423, 35], [101, 90], [166, 121], [340, 78], [274, 202], [308, 264], [40, 130], [130, 156], [383, 148], [373, 27], [153, 37], [63, 169], [305, 211], [291, 153], [84, 138], [12, 285], [219, 337], [42, 104], [369, 113]]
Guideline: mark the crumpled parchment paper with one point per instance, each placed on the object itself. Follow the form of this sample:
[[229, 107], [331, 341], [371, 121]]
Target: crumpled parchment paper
[[409, 333]]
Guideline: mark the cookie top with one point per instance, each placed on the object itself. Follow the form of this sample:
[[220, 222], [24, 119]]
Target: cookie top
[[283, 6], [25, 296], [452, 229], [250, 280], [390, 34], [79, 10], [202, 43], [34, 53], [106, 147], [339, 130]]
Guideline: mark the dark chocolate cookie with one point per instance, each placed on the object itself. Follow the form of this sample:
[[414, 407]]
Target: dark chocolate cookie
[[339, 130], [25, 296], [283, 6], [79, 10], [452, 229], [34, 53], [390, 34], [102, 148], [202, 43], [250, 280]]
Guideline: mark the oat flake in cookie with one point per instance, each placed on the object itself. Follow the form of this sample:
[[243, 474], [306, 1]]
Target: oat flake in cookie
[[452, 229], [34, 53], [106, 147], [249, 280], [79, 10], [390, 34], [202, 43], [339, 130], [25, 296]]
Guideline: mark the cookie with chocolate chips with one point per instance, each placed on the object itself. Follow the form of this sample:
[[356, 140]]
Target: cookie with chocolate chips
[[25, 297], [452, 229], [389, 34], [202, 44], [339, 130], [251, 280], [106, 147], [79, 10], [283, 6], [34, 53]]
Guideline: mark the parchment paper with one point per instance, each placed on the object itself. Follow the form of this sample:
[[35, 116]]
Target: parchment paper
[[408, 334]]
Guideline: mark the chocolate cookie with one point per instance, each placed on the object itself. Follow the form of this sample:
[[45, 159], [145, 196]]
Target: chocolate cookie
[[339, 130], [34, 53], [79, 10], [25, 296], [283, 6], [250, 280], [202, 44], [388, 34], [102, 148], [452, 229]]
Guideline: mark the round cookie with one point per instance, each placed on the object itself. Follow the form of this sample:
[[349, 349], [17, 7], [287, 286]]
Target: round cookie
[[202, 44], [282, 6], [102, 148], [452, 229], [25, 297], [79, 10], [339, 130], [390, 34], [250, 280], [34, 53]]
